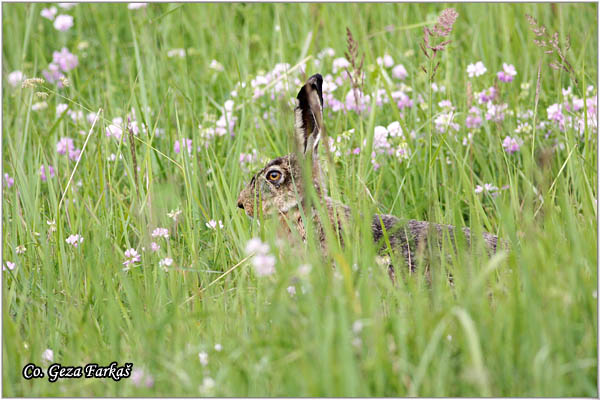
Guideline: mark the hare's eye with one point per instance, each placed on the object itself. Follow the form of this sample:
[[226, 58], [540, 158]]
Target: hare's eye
[[274, 176]]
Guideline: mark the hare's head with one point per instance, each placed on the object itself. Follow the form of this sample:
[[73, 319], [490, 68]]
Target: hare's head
[[279, 186]]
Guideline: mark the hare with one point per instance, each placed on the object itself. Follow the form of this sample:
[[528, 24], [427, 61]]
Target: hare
[[278, 190]]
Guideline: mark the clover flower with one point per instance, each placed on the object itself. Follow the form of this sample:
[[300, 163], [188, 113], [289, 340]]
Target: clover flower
[[203, 357], [64, 145], [161, 232], [63, 22], [15, 78], [66, 60], [291, 290], [74, 240], [263, 262], [212, 224], [136, 6], [48, 355], [131, 257], [399, 72], [178, 144], [140, 377], [176, 53], [474, 120], [46, 169], [387, 61], [476, 69], [8, 266], [512, 145], [49, 13], [508, 73], [165, 262], [8, 181]]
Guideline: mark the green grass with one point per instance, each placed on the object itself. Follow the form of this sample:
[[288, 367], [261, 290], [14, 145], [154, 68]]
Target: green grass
[[521, 324]]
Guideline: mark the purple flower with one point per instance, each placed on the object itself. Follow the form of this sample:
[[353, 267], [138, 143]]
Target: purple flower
[[136, 6], [487, 95], [402, 100], [395, 129], [8, 181], [511, 145], [212, 224], [74, 240], [15, 78], [65, 59], [264, 264], [46, 169], [8, 266], [48, 355], [358, 106], [177, 145], [165, 262], [53, 74], [131, 257], [67, 6], [262, 260], [356, 151], [161, 232], [74, 154], [248, 158], [476, 69], [380, 141], [399, 72], [473, 121], [49, 13], [63, 22], [140, 377], [115, 129], [445, 121], [508, 73], [495, 112], [340, 64], [387, 61], [488, 188], [65, 145], [61, 108]]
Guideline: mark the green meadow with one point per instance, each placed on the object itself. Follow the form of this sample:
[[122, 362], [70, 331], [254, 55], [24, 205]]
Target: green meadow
[[122, 164]]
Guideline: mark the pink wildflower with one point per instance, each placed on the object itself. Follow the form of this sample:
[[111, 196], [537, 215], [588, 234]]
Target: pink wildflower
[[49, 13], [399, 72], [15, 78], [136, 6], [64, 145], [511, 145], [65, 59], [74, 240], [476, 69], [8, 181], [131, 257], [63, 22], [8, 266], [387, 61], [177, 145], [161, 232], [46, 169], [212, 224]]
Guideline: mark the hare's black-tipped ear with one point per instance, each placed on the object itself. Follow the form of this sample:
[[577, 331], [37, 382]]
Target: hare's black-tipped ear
[[309, 115]]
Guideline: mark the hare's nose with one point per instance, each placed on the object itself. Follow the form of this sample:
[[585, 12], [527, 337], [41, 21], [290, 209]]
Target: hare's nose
[[240, 205]]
